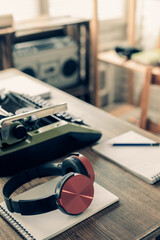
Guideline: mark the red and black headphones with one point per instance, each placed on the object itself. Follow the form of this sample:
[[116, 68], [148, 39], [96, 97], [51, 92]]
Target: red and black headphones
[[73, 194]]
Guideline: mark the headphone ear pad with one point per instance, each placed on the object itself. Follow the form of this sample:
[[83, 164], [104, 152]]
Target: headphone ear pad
[[74, 193], [61, 182], [73, 164]]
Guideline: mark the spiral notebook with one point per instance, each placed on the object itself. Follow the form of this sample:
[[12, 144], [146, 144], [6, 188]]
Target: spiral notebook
[[48, 225], [141, 161]]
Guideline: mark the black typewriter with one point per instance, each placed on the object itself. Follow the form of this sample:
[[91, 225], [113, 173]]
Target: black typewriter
[[32, 131]]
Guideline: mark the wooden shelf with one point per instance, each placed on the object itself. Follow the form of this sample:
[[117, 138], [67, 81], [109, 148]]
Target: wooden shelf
[[6, 31], [113, 58], [152, 76], [77, 91], [45, 24]]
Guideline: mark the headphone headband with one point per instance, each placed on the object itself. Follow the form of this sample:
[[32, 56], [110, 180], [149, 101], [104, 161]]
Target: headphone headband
[[51, 169], [78, 181]]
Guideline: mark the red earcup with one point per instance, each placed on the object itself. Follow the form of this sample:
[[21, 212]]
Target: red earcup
[[87, 165], [78, 163], [75, 193]]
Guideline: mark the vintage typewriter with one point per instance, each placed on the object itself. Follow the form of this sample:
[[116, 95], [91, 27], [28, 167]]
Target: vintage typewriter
[[32, 131]]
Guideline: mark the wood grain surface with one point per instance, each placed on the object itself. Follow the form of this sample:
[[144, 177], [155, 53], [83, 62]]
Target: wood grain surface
[[136, 215]]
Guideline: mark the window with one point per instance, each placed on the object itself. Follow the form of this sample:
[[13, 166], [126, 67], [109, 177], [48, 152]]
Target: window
[[20, 9], [111, 15], [111, 10], [148, 23], [107, 10], [75, 8], [27, 9]]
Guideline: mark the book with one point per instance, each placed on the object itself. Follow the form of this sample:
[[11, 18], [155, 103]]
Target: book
[[25, 85], [142, 161], [48, 225]]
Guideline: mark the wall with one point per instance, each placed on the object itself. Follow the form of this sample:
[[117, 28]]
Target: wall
[[110, 35], [147, 34]]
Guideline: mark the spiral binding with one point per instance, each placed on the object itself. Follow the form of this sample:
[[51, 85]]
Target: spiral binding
[[15, 225], [156, 177]]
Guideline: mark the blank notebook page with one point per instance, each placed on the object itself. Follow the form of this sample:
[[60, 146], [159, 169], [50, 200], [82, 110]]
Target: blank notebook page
[[142, 161], [23, 84], [47, 225]]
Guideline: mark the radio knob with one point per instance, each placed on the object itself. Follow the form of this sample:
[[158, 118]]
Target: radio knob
[[19, 131]]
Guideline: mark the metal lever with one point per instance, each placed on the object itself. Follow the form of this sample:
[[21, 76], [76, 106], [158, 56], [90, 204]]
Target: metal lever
[[39, 113], [4, 112]]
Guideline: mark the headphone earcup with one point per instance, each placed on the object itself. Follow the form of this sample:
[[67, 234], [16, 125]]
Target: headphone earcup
[[61, 183], [74, 193], [72, 164], [79, 164]]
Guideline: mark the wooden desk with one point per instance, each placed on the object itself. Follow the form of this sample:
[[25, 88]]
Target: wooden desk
[[136, 215]]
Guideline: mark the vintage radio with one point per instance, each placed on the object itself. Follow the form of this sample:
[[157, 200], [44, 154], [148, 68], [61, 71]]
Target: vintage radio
[[32, 131], [53, 60]]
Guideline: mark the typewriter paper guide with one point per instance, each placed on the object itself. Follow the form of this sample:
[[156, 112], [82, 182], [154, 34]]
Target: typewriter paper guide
[[24, 85], [47, 225]]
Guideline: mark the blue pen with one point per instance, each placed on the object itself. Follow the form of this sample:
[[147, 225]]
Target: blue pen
[[136, 144]]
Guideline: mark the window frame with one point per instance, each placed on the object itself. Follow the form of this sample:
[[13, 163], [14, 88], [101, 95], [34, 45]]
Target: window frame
[[107, 25]]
